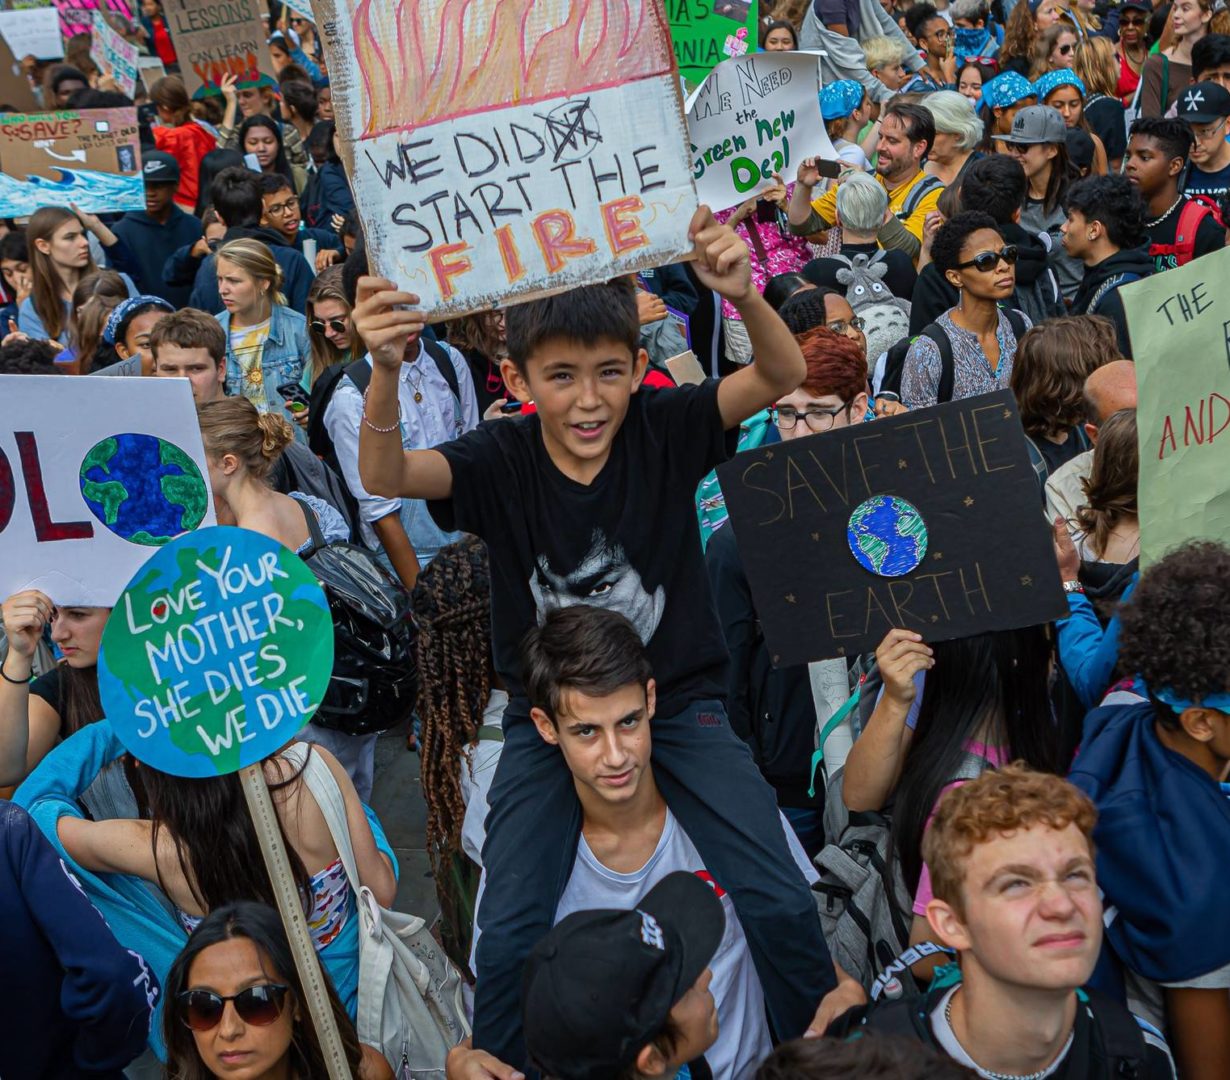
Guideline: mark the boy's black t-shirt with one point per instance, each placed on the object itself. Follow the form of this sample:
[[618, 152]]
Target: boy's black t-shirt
[[1209, 237], [629, 541]]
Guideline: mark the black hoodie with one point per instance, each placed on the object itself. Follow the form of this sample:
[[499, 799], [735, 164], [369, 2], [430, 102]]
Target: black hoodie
[[933, 295], [1099, 289]]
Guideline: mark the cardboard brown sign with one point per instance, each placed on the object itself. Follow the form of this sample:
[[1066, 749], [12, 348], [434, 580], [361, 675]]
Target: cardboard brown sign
[[15, 89], [930, 521], [214, 39]]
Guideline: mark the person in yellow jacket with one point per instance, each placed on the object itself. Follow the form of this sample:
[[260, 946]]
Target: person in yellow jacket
[[906, 134]]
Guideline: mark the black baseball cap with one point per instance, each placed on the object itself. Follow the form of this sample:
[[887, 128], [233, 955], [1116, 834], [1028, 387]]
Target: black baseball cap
[[1137, 5], [1204, 103], [158, 167], [600, 985]]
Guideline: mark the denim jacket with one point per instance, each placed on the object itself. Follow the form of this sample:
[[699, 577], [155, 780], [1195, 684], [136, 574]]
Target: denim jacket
[[285, 354]]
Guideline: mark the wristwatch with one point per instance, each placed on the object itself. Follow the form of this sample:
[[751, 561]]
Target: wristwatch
[[1073, 586]]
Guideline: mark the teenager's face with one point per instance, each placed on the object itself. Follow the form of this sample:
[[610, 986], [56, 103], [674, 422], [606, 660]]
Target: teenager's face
[[158, 197], [605, 740], [253, 101], [66, 89], [324, 104], [1209, 142], [1187, 18], [282, 212], [779, 39], [263, 143], [839, 317], [69, 246], [77, 632], [892, 75], [1132, 28], [936, 38], [235, 1049], [1147, 166], [828, 412], [1219, 75], [1006, 114], [195, 365], [278, 57], [1034, 157], [1047, 15], [329, 311], [970, 84], [12, 269], [1067, 101], [241, 293], [1063, 54], [215, 231], [1076, 239], [136, 338], [1033, 917], [581, 392]]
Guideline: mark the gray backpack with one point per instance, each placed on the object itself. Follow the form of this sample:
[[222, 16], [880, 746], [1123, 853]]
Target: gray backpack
[[865, 907]]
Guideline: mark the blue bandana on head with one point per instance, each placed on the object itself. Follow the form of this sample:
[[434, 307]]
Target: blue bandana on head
[[1053, 80], [1008, 88], [1220, 702], [839, 99], [122, 312]]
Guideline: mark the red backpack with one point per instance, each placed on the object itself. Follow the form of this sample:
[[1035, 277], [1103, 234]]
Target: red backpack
[[1195, 210]]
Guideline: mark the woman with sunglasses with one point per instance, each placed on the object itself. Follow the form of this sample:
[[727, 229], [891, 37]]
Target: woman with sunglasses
[[330, 329], [970, 252], [1133, 48], [236, 1005], [1054, 49], [1168, 73], [1064, 92]]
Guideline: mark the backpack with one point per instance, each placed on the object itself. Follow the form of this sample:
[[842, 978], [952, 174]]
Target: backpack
[[1195, 210], [865, 913], [298, 469], [375, 678], [895, 364], [916, 195], [1041, 299], [359, 372]]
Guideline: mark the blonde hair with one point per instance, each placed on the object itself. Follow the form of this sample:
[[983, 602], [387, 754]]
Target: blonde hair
[[233, 426], [255, 259], [880, 52], [1097, 65]]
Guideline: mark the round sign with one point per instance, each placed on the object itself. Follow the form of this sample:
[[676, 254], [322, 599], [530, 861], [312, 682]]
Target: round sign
[[887, 535], [144, 489], [216, 654]]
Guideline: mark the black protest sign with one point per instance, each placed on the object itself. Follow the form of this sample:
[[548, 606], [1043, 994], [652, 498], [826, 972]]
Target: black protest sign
[[930, 521]]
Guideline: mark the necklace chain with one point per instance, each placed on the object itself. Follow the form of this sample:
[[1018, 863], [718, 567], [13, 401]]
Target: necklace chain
[[989, 1072], [1159, 220]]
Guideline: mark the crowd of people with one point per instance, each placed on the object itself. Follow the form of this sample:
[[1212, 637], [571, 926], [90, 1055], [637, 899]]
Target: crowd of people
[[656, 853]]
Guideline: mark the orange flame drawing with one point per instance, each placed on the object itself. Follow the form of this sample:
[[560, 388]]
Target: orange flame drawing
[[429, 60]]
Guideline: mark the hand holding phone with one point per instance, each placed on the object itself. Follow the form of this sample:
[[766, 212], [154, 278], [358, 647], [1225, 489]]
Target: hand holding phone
[[294, 395]]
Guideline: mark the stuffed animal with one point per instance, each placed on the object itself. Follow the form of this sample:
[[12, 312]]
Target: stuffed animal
[[886, 318]]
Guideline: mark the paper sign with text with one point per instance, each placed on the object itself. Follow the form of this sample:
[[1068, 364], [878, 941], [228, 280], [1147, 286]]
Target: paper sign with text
[[32, 32], [928, 521], [113, 55], [213, 40], [91, 158], [502, 149], [217, 653], [1179, 322], [705, 33], [77, 16], [94, 475], [754, 116]]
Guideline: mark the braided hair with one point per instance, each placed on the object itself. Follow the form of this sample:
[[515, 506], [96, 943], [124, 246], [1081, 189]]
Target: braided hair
[[452, 606]]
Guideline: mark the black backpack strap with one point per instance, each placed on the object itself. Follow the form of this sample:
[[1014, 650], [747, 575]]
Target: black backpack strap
[[359, 372], [322, 394], [917, 193], [316, 536], [1127, 1053], [1015, 320], [936, 333], [445, 363]]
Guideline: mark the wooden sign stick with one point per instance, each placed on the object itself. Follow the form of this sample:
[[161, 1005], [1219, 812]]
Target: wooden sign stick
[[260, 806]]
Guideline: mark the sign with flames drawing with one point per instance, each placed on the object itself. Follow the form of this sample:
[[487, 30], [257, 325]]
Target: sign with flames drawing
[[502, 149]]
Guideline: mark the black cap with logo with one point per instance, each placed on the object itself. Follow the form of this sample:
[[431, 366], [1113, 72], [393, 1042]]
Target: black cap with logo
[[1204, 103], [600, 985]]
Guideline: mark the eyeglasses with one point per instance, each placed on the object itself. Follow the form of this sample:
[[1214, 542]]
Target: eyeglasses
[[842, 325], [817, 420], [338, 326], [1065, 49], [282, 209], [986, 261], [1138, 23], [1213, 131], [201, 1010]]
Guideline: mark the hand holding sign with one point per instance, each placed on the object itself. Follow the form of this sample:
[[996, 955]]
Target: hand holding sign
[[722, 261], [386, 320]]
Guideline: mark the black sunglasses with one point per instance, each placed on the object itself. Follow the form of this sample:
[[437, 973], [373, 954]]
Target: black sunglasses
[[986, 261], [1065, 49], [338, 326], [201, 1010]]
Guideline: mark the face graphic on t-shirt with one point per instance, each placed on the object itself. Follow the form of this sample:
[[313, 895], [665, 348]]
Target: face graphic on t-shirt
[[604, 578]]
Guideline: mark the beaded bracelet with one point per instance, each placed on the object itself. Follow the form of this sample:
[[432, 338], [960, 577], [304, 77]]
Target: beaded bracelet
[[380, 430]]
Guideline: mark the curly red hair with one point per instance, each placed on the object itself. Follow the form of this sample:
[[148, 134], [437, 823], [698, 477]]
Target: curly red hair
[[835, 364]]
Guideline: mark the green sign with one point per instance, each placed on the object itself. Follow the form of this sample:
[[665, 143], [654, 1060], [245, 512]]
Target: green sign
[[216, 654], [1180, 326], [706, 32]]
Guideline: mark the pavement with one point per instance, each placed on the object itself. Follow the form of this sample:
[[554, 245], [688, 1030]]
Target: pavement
[[397, 798]]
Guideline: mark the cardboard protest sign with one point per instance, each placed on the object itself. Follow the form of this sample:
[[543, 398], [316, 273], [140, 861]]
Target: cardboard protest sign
[[502, 149], [123, 368], [113, 55], [927, 521], [754, 116], [15, 89], [94, 475], [216, 654], [32, 32], [704, 33], [91, 158], [77, 16], [151, 69], [213, 40], [1179, 322]]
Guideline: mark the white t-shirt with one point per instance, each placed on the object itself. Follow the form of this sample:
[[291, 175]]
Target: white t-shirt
[[948, 1042], [743, 1039], [478, 763]]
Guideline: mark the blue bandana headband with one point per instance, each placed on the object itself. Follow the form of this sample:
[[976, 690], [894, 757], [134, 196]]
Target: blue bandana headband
[[1052, 80], [1220, 702], [124, 310], [839, 99], [1007, 88]]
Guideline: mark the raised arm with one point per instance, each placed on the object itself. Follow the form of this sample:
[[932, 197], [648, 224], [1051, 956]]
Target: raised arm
[[24, 615]]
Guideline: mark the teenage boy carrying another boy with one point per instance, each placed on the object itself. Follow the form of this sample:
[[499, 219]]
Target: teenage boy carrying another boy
[[591, 500]]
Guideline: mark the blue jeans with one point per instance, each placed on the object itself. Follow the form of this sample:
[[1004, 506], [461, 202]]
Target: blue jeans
[[708, 778]]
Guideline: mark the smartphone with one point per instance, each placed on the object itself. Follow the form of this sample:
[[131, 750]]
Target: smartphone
[[510, 407], [294, 394], [831, 169]]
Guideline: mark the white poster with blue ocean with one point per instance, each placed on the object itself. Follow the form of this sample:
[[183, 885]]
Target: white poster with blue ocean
[[91, 158]]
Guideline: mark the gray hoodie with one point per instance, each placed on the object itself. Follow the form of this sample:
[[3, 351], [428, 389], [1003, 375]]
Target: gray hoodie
[[844, 59]]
